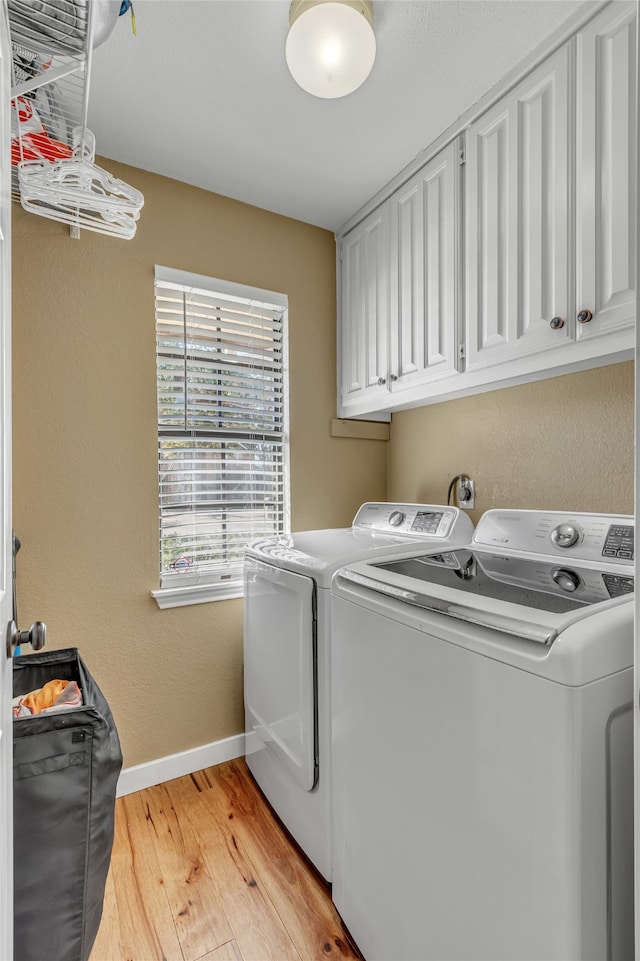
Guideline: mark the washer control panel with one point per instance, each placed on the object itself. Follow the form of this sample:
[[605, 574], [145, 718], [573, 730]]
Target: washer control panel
[[415, 520], [619, 542], [603, 538]]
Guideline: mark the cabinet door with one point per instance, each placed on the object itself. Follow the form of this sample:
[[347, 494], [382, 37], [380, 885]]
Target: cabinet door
[[423, 304], [517, 221], [364, 314], [605, 162]]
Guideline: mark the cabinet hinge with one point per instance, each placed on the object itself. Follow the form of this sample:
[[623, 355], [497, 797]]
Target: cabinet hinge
[[462, 351], [462, 157]]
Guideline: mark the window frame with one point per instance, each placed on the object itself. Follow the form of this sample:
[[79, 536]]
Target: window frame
[[176, 589]]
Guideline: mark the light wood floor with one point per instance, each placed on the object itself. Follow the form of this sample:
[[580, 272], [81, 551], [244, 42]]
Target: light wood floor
[[201, 869]]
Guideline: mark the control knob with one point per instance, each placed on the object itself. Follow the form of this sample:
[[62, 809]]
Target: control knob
[[396, 518], [565, 535], [566, 579]]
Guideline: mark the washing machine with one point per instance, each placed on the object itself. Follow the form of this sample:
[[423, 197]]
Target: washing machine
[[483, 747], [287, 653]]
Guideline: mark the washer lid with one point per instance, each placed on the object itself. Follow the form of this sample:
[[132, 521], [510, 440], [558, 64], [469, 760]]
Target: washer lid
[[320, 553], [532, 598], [541, 584]]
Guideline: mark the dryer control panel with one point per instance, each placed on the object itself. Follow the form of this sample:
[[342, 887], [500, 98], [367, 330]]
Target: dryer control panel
[[414, 520], [599, 538]]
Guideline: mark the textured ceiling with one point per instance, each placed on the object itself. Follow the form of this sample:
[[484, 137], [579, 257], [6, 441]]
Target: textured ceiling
[[203, 95]]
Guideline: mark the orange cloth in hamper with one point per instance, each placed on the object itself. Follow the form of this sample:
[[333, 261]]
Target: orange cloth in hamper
[[46, 696]]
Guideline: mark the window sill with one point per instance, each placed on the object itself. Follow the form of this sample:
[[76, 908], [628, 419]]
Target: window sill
[[167, 597]]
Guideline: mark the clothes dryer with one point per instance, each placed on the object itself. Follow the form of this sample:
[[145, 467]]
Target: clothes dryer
[[287, 653], [483, 745]]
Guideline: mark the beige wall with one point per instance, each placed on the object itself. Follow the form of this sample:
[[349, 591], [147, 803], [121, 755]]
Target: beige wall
[[85, 497], [559, 444], [85, 494]]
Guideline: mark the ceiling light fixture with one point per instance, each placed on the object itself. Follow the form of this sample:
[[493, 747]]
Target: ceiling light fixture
[[331, 45]]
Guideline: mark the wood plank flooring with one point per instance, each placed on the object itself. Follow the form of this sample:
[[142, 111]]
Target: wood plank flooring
[[203, 871]]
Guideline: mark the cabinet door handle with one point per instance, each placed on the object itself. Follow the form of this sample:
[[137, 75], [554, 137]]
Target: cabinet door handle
[[556, 323], [382, 381], [585, 316], [393, 377]]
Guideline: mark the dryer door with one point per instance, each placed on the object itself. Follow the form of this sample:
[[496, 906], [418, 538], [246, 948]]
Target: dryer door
[[279, 667]]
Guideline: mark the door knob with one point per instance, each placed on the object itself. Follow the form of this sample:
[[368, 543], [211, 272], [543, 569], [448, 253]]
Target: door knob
[[382, 381], [556, 323], [585, 316], [36, 636]]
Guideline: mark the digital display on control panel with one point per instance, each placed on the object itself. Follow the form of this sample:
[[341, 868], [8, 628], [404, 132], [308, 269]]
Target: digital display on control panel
[[617, 585], [619, 542], [427, 522]]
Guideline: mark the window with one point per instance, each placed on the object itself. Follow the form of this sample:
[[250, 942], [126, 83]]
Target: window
[[222, 431]]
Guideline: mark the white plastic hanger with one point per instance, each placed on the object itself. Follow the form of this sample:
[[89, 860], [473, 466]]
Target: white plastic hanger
[[77, 192]]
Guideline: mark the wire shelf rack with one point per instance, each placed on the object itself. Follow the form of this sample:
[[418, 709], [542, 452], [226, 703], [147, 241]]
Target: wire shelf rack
[[52, 149]]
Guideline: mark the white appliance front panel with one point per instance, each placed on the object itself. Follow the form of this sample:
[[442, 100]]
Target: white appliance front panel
[[471, 801], [279, 627], [306, 814]]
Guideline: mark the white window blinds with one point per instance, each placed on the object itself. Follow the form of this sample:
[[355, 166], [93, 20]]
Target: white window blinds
[[222, 455]]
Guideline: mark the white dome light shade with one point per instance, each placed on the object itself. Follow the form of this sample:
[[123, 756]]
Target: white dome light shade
[[331, 46]]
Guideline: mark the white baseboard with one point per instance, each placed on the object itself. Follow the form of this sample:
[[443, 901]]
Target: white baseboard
[[177, 765]]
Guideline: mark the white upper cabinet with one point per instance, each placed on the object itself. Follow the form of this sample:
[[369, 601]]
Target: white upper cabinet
[[398, 324], [605, 171], [517, 223], [364, 314], [543, 258], [424, 234]]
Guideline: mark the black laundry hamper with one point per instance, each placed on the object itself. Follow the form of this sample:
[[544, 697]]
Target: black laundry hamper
[[66, 768]]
